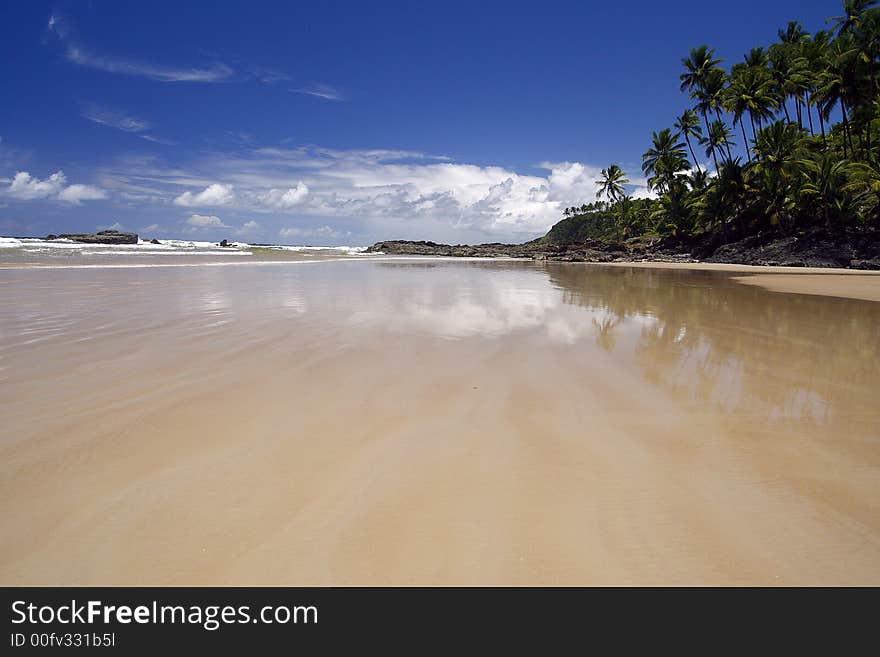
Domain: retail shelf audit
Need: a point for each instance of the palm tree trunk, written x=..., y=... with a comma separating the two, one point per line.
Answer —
x=785, y=109
x=845, y=125
x=810, y=117
x=726, y=146
x=706, y=121
x=822, y=125
x=754, y=132
x=693, y=155
x=745, y=139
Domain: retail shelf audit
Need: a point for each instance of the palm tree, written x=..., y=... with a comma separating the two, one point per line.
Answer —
x=611, y=183
x=718, y=140
x=756, y=58
x=713, y=91
x=854, y=12
x=625, y=216
x=814, y=51
x=700, y=65
x=822, y=190
x=793, y=33
x=688, y=125
x=865, y=184
x=837, y=85
x=777, y=149
x=698, y=180
x=750, y=90
x=664, y=160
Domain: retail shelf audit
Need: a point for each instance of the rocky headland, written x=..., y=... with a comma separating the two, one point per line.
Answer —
x=853, y=250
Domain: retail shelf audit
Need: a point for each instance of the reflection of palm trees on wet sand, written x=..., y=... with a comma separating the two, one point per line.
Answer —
x=712, y=340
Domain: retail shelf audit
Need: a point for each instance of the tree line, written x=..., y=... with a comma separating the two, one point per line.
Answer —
x=805, y=113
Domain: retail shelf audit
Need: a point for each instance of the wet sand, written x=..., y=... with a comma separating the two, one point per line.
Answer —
x=865, y=287
x=844, y=283
x=434, y=422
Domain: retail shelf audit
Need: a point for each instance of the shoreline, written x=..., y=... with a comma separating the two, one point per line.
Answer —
x=835, y=282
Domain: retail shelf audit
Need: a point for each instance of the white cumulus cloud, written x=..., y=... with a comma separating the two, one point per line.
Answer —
x=205, y=221
x=26, y=187
x=283, y=199
x=215, y=194
x=248, y=228
x=76, y=193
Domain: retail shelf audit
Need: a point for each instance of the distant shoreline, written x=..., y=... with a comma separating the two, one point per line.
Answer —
x=815, y=249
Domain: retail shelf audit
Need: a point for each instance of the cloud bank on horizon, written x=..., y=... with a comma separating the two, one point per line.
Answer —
x=308, y=192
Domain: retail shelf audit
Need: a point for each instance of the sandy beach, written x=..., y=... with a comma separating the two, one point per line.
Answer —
x=843, y=283
x=438, y=422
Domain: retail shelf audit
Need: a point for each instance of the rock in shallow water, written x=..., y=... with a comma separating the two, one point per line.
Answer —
x=102, y=237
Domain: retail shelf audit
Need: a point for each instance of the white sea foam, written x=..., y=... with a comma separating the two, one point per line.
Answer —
x=353, y=250
x=165, y=247
x=30, y=252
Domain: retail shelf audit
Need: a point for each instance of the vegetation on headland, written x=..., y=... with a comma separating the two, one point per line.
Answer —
x=805, y=114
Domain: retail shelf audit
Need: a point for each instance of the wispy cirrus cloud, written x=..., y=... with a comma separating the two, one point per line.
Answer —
x=159, y=140
x=84, y=56
x=113, y=118
x=324, y=91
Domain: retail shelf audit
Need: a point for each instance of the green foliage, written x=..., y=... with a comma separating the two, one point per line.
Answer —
x=808, y=111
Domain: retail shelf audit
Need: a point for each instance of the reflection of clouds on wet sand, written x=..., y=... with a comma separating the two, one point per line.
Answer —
x=484, y=304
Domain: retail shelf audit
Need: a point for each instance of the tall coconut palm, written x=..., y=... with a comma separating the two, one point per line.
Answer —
x=714, y=95
x=814, y=51
x=791, y=75
x=854, y=12
x=664, y=160
x=688, y=125
x=778, y=147
x=793, y=33
x=611, y=183
x=838, y=85
x=718, y=140
x=700, y=65
x=756, y=58
x=750, y=90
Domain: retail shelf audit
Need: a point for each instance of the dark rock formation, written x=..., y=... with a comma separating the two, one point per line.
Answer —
x=588, y=251
x=155, y=241
x=857, y=250
x=224, y=243
x=813, y=249
x=102, y=237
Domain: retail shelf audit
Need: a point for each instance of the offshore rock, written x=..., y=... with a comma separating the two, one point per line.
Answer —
x=102, y=237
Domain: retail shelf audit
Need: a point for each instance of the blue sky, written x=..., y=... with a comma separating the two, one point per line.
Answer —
x=341, y=122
